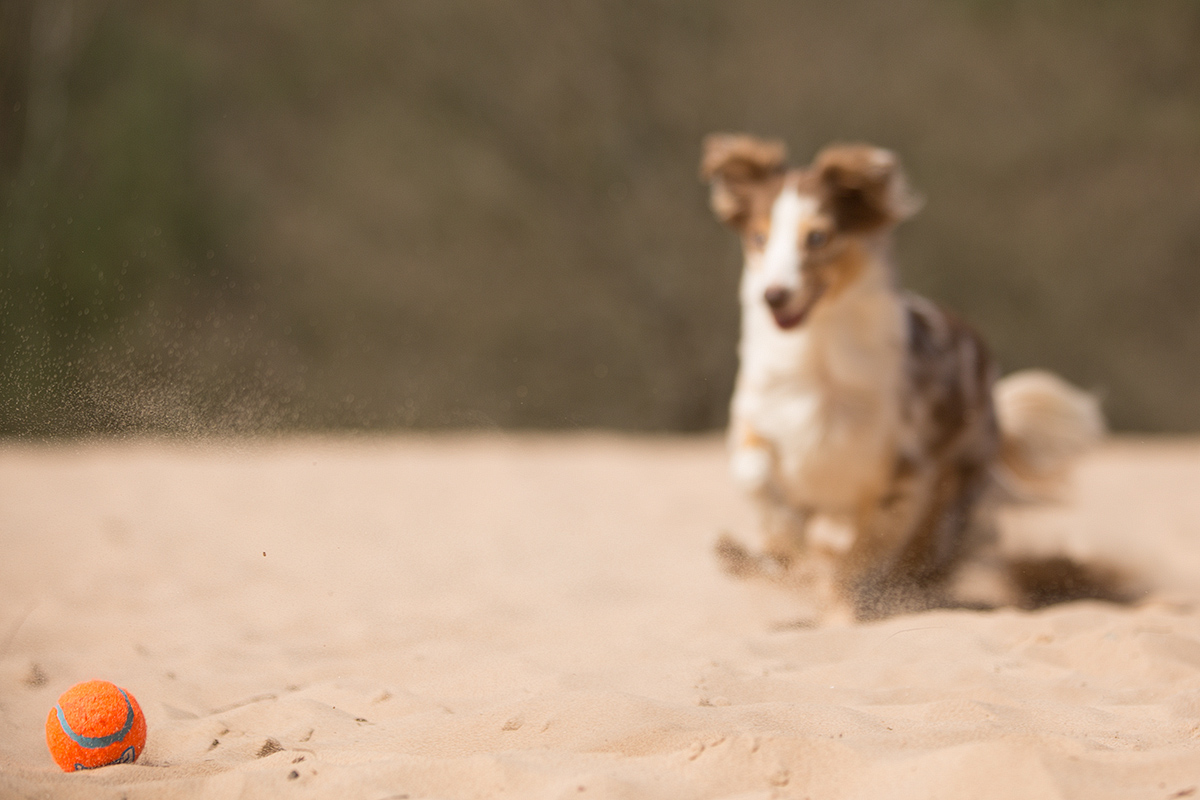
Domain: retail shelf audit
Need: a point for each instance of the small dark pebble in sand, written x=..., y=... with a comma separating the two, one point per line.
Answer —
x=268, y=747
x=35, y=677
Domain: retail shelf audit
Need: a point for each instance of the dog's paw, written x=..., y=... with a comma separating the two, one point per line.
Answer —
x=751, y=468
x=737, y=560
x=734, y=558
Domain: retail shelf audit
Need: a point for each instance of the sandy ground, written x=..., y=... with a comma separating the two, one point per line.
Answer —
x=543, y=617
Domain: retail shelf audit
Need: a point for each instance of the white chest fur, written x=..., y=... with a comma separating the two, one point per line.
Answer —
x=826, y=396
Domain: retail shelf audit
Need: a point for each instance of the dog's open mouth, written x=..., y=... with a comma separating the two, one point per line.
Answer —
x=793, y=315
x=787, y=320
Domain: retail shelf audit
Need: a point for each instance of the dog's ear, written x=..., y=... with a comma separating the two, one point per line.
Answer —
x=863, y=187
x=735, y=165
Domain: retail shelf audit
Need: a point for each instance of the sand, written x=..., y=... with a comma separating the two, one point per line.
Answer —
x=500, y=617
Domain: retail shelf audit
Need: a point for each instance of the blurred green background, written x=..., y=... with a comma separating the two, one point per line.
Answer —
x=250, y=215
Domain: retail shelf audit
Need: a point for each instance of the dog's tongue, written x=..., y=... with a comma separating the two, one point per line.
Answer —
x=789, y=319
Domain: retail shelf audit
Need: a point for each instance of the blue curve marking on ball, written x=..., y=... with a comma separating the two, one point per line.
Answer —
x=98, y=741
x=126, y=757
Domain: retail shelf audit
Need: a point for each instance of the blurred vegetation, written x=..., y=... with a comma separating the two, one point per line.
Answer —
x=251, y=215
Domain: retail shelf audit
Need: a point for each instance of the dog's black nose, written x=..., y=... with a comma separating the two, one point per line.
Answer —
x=776, y=296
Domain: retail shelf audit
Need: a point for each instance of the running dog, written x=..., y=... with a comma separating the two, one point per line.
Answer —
x=867, y=423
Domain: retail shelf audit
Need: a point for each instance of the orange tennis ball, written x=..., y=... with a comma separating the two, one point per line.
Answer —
x=95, y=724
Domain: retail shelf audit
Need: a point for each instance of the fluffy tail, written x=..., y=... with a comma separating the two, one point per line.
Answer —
x=1046, y=424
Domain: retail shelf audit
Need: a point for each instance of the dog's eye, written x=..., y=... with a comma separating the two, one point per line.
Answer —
x=816, y=238
x=758, y=239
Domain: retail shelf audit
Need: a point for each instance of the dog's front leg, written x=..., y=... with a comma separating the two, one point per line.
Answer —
x=754, y=465
x=784, y=531
x=910, y=541
x=871, y=575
